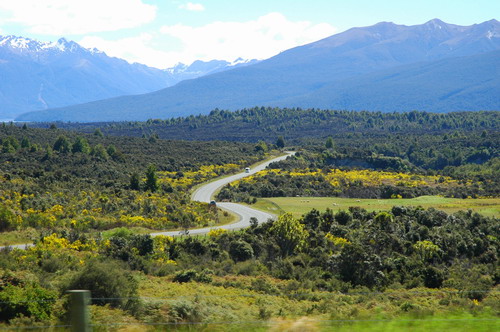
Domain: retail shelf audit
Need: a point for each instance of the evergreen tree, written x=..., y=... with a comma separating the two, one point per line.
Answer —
x=280, y=143
x=98, y=132
x=151, y=179
x=81, y=145
x=135, y=181
x=100, y=152
x=329, y=143
x=62, y=144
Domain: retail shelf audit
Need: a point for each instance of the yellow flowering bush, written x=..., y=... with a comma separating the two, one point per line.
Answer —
x=337, y=241
x=216, y=232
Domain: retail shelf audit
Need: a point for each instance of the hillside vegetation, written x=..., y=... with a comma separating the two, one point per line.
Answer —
x=88, y=202
x=52, y=179
x=296, y=125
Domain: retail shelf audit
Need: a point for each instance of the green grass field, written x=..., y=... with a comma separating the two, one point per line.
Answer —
x=299, y=205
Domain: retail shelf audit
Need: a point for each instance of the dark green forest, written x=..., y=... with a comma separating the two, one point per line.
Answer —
x=294, y=124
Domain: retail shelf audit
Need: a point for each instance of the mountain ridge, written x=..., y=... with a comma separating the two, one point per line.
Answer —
x=37, y=75
x=303, y=70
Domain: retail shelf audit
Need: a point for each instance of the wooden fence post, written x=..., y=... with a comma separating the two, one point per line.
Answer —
x=79, y=312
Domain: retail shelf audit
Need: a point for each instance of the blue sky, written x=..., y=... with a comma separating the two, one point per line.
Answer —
x=164, y=32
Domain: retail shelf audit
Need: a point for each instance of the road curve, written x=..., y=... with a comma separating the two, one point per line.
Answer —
x=205, y=193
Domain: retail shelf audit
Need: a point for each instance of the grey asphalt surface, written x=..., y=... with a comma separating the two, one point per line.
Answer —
x=204, y=194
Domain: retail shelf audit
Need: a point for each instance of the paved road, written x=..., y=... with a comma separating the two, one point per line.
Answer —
x=205, y=193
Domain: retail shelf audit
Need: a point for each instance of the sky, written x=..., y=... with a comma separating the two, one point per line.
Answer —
x=162, y=33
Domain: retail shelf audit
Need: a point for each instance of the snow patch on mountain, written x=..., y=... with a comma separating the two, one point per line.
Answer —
x=24, y=44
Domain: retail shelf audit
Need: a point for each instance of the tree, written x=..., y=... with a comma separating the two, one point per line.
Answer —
x=25, y=143
x=135, y=181
x=62, y=144
x=98, y=133
x=108, y=282
x=7, y=219
x=289, y=233
x=343, y=217
x=261, y=146
x=358, y=266
x=100, y=152
x=8, y=145
x=81, y=145
x=240, y=251
x=111, y=151
x=329, y=143
x=280, y=143
x=23, y=301
x=151, y=179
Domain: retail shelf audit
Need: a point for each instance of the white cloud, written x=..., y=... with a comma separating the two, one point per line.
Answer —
x=133, y=49
x=196, y=7
x=59, y=17
x=258, y=39
x=261, y=38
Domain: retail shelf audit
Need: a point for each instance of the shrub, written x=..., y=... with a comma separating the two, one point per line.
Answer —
x=186, y=311
x=7, y=219
x=343, y=217
x=240, y=251
x=185, y=276
x=28, y=301
x=108, y=282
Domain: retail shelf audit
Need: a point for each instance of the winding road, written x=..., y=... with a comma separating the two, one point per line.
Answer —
x=206, y=191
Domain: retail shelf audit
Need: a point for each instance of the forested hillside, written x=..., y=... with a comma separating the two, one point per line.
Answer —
x=89, y=201
x=294, y=124
x=52, y=178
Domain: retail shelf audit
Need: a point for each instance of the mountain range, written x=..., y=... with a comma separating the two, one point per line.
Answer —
x=39, y=75
x=435, y=67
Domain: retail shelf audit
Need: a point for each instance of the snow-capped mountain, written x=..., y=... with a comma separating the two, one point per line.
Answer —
x=201, y=68
x=37, y=75
x=433, y=66
x=24, y=45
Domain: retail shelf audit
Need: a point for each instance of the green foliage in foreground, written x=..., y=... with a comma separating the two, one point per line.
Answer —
x=396, y=264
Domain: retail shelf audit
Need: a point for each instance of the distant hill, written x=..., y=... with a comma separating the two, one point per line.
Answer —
x=382, y=67
x=39, y=75
x=455, y=84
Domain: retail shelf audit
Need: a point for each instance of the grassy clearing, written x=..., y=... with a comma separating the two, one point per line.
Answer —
x=299, y=205
x=18, y=237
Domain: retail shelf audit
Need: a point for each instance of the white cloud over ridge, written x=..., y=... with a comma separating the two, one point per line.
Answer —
x=62, y=17
x=196, y=7
x=262, y=38
x=133, y=49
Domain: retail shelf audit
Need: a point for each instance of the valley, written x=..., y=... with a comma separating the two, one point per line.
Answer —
x=255, y=171
x=403, y=230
